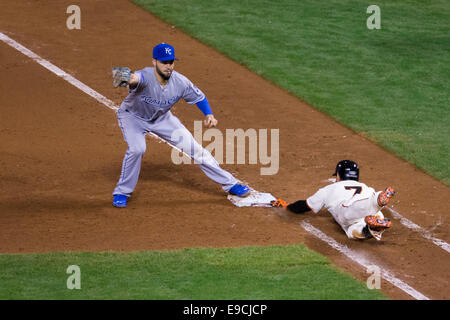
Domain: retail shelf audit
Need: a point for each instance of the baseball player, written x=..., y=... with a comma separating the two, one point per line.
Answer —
x=355, y=206
x=152, y=93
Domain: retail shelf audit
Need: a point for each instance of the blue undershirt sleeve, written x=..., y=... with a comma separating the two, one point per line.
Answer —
x=204, y=107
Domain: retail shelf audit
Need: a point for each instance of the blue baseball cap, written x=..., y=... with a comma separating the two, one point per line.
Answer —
x=164, y=52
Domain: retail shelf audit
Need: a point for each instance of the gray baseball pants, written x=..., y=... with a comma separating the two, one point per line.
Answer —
x=169, y=128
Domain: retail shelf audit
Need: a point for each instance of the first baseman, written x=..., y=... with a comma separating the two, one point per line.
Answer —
x=355, y=206
x=152, y=93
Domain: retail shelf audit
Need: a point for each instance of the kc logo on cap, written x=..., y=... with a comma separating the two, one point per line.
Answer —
x=164, y=52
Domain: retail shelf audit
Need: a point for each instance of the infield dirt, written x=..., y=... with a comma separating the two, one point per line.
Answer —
x=62, y=153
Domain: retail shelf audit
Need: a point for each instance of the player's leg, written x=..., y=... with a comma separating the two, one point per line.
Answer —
x=358, y=231
x=134, y=135
x=170, y=128
x=356, y=215
x=360, y=209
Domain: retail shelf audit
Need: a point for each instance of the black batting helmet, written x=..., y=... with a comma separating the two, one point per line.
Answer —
x=347, y=170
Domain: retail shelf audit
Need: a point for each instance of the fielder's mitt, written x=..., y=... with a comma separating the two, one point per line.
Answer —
x=121, y=76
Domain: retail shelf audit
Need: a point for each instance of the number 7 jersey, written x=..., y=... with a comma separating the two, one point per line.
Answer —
x=348, y=201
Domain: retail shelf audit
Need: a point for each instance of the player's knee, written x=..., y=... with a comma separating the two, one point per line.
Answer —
x=356, y=231
x=357, y=235
x=137, y=150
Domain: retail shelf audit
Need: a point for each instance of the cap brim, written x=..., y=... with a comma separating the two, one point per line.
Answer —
x=167, y=59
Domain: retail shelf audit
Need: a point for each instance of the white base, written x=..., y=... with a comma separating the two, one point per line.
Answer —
x=254, y=199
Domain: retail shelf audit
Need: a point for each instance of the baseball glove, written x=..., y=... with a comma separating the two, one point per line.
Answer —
x=121, y=76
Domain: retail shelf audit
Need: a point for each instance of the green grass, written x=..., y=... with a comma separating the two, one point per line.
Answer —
x=391, y=85
x=276, y=272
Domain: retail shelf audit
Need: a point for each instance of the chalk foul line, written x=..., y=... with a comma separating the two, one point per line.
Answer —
x=73, y=81
x=346, y=251
x=427, y=235
x=60, y=73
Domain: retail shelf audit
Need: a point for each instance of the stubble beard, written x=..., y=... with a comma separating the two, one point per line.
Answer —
x=165, y=77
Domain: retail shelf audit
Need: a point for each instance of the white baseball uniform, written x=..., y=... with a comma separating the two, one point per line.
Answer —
x=349, y=202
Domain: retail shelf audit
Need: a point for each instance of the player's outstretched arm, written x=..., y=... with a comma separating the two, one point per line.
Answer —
x=299, y=206
x=210, y=121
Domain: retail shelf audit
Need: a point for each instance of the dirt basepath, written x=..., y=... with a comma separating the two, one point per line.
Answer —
x=62, y=152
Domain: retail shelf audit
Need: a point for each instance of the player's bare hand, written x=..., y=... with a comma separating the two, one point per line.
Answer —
x=134, y=79
x=210, y=121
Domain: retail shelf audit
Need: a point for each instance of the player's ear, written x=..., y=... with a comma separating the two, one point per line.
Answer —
x=154, y=62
